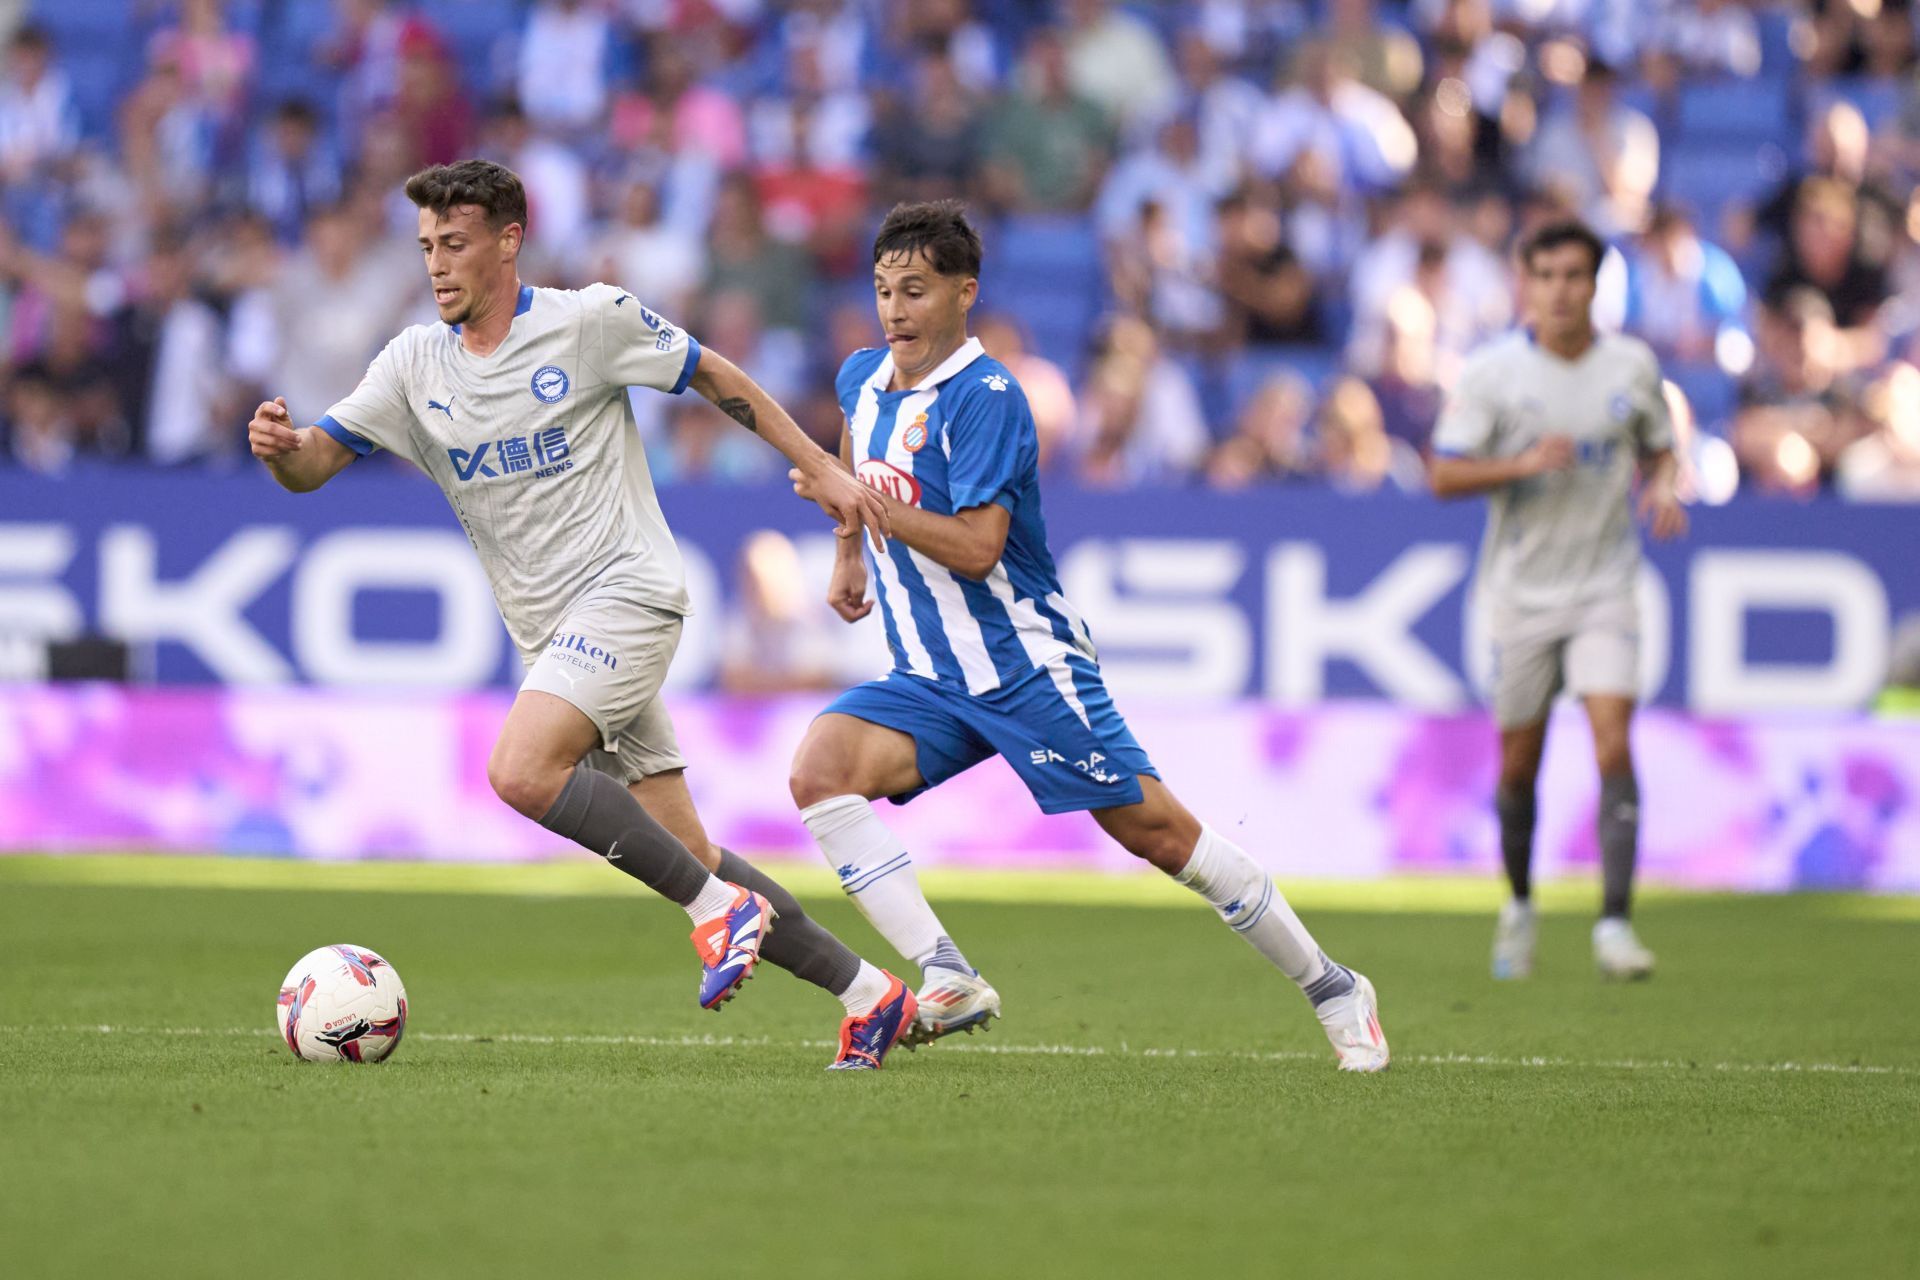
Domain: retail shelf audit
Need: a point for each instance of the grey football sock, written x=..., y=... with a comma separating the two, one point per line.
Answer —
x=601, y=814
x=800, y=944
x=1515, y=805
x=1336, y=981
x=1619, y=842
x=945, y=956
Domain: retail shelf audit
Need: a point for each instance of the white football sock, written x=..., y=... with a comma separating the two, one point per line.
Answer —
x=1247, y=899
x=877, y=874
x=713, y=899
x=869, y=988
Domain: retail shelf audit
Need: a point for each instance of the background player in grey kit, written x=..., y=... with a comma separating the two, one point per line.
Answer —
x=516, y=405
x=1554, y=424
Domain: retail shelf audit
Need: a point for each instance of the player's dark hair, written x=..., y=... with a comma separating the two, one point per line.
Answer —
x=494, y=189
x=1563, y=231
x=938, y=228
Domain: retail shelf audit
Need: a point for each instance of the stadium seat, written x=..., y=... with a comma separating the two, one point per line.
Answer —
x=1710, y=391
x=1705, y=178
x=1730, y=110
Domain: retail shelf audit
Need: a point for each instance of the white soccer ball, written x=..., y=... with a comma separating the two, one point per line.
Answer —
x=342, y=1004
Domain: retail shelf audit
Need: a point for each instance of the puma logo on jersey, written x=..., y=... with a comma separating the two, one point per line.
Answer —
x=625, y=297
x=446, y=408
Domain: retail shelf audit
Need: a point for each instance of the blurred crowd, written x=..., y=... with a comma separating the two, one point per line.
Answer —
x=1229, y=242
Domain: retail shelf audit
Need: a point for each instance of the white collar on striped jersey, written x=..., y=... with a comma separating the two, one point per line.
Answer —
x=969, y=351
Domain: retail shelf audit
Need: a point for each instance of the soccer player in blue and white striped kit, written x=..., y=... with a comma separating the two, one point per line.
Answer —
x=989, y=657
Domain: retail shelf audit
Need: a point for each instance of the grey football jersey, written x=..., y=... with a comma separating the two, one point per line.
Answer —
x=1565, y=538
x=536, y=449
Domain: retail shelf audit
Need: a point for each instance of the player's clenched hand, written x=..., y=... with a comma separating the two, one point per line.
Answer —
x=854, y=507
x=1662, y=511
x=847, y=589
x=1548, y=453
x=270, y=434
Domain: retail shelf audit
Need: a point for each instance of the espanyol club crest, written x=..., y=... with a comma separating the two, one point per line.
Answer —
x=550, y=383
x=914, y=438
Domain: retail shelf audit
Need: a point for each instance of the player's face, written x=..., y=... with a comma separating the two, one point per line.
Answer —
x=469, y=263
x=923, y=312
x=1559, y=292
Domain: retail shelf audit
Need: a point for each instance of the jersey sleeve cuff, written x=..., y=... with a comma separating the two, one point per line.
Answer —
x=360, y=445
x=687, y=370
x=966, y=496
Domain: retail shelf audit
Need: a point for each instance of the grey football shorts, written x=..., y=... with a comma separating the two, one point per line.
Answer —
x=1585, y=649
x=609, y=659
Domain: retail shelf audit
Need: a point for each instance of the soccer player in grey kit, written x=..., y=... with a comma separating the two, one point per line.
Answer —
x=1554, y=424
x=516, y=405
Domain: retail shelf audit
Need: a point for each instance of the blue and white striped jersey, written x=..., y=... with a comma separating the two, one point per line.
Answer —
x=963, y=438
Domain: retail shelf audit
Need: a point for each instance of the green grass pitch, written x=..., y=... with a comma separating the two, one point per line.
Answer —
x=1159, y=1103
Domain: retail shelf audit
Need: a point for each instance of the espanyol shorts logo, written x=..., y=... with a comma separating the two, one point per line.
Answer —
x=914, y=438
x=550, y=383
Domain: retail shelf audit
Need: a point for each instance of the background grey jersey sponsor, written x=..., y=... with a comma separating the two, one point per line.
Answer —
x=1568, y=537
x=536, y=449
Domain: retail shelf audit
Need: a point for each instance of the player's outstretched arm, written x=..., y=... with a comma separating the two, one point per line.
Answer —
x=852, y=505
x=969, y=542
x=301, y=459
x=1457, y=477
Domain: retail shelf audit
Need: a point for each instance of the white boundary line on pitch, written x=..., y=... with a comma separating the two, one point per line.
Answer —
x=1035, y=1050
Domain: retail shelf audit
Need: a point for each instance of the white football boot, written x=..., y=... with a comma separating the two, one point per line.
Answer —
x=1352, y=1024
x=951, y=1001
x=1617, y=952
x=1513, y=940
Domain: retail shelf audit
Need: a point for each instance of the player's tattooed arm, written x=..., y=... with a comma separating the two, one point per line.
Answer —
x=853, y=507
x=740, y=409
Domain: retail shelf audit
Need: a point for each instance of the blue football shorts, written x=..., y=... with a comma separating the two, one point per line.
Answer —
x=1057, y=727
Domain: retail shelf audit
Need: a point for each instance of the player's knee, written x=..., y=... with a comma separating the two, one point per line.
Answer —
x=818, y=775
x=525, y=790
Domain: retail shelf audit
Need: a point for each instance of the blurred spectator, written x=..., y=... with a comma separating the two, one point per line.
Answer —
x=335, y=305
x=741, y=255
x=363, y=53
x=1225, y=107
x=564, y=49
x=1682, y=292
x=704, y=444
x=1046, y=146
x=1356, y=453
x=215, y=62
x=433, y=112
x=1159, y=274
x=167, y=137
x=291, y=172
x=780, y=639
x=1860, y=39
x=1428, y=247
x=1796, y=414
x=169, y=363
x=1600, y=153
x=928, y=148
x=559, y=206
x=811, y=183
x=1269, y=293
x=732, y=324
x=1824, y=255
x=39, y=126
x=1384, y=56
x=1407, y=387
x=1171, y=171
x=1116, y=62
x=1141, y=417
x=78, y=284
x=1049, y=395
x=1704, y=38
x=1885, y=464
x=660, y=264
x=1839, y=148
x=673, y=109
x=1354, y=133
x=1269, y=440
x=948, y=29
